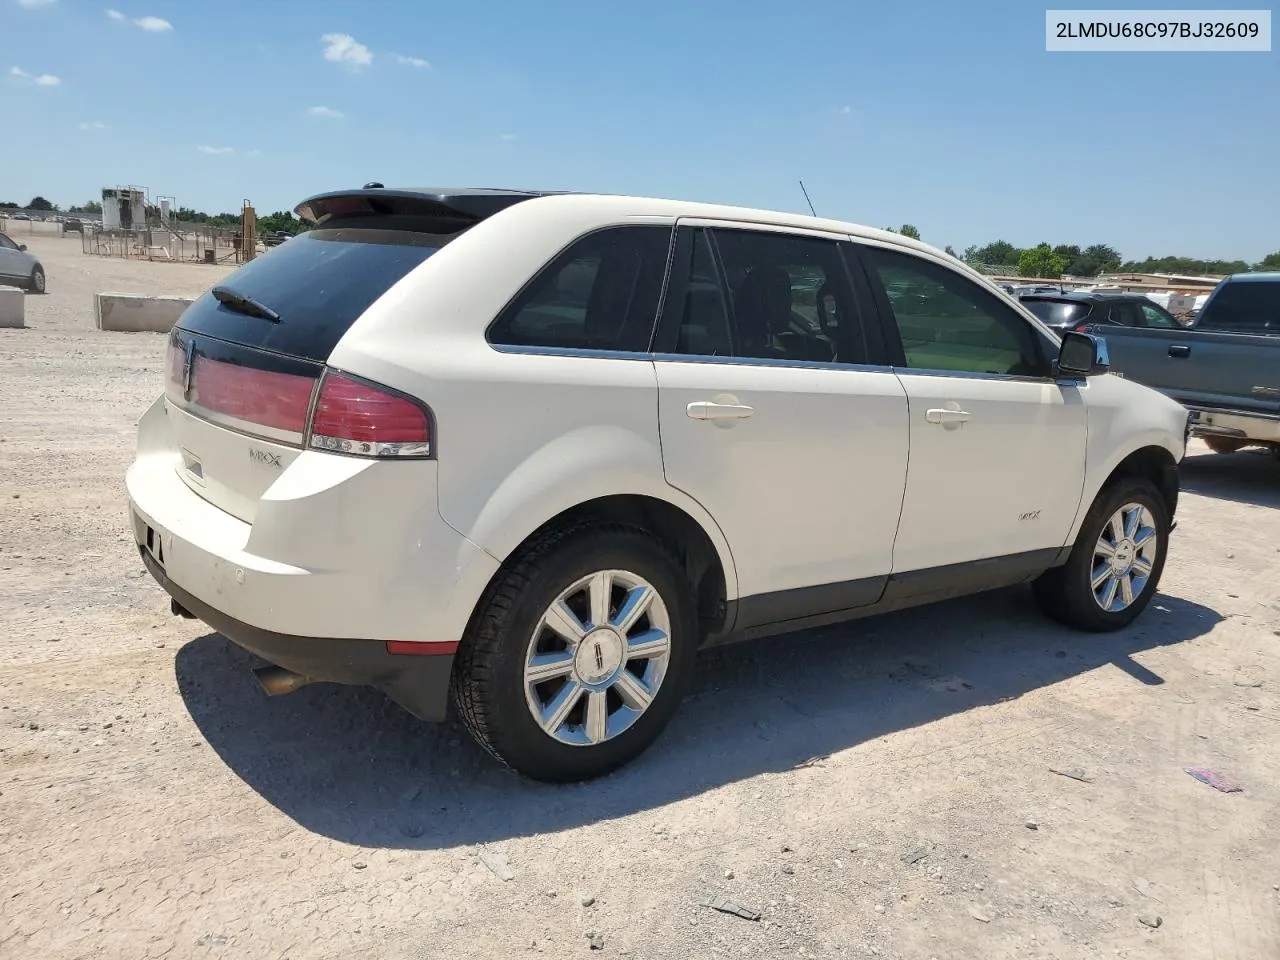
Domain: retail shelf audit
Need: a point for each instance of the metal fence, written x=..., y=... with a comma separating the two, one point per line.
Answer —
x=189, y=243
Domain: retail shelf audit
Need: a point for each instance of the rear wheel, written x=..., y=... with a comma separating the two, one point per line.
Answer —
x=37, y=280
x=578, y=654
x=1114, y=568
x=1223, y=444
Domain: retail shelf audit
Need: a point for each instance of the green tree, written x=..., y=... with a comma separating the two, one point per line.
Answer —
x=40, y=203
x=907, y=230
x=1184, y=265
x=1103, y=258
x=7, y=205
x=1041, y=261
x=1270, y=262
x=950, y=251
x=1000, y=253
x=970, y=253
x=1067, y=251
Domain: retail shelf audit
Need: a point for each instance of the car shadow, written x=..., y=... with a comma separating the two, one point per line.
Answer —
x=1250, y=476
x=347, y=763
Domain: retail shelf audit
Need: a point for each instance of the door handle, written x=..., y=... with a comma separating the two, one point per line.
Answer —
x=939, y=415
x=1180, y=350
x=710, y=410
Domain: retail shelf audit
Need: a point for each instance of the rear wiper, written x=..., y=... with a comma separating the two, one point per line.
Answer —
x=242, y=304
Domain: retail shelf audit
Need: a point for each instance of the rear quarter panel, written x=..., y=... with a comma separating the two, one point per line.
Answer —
x=520, y=436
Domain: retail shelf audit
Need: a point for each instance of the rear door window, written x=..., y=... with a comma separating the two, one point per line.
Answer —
x=600, y=294
x=1243, y=306
x=1126, y=315
x=318, y=284
x=766, y=296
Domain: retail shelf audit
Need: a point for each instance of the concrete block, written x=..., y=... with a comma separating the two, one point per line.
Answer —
x=13, y=306
x=137, y=312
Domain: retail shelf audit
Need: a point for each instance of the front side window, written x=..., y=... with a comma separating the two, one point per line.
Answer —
x=1155, y=317
x=600, y=294
x=6, y=243
x=768, y=296
x=948, y=322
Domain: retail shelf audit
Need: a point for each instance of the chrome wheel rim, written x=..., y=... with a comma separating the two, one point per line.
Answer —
x=1124, y=557
x=597, y=658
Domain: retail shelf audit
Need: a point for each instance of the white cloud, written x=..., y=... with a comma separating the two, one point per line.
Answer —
x=115, y=15
x=254, y=153
x=327, y=112
x=344, y=48
x=93, y=125
x=506, y=136
x=216, y=151
x=411, y=61
x=845, y=111
x=43, y=80
x=35, y=3
x=153, y=24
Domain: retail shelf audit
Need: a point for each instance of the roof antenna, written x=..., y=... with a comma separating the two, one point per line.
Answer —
x=806, y=199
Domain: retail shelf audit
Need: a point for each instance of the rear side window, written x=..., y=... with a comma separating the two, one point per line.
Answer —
x=1058, y=312
x=767, y=296
x=600, y=294
x=1126, y=315
x=1243, y=306
x=318, y=283
x=947, y=322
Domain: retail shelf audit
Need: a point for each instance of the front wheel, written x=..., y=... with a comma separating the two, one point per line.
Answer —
x=578, y=654
x=37, y=280
x=1114, y=568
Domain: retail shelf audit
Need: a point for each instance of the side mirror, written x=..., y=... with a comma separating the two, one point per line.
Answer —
x=22, y=247
x=1082, y=355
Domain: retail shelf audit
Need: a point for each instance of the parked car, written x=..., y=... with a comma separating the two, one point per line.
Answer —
x=1083, y=310
x=20, y=216
x=539, y=449
x=1225, y=367
x=72, y=225
x=19, y=267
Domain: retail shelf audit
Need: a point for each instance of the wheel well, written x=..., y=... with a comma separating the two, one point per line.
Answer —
x=682, y=534
x=1157, y=465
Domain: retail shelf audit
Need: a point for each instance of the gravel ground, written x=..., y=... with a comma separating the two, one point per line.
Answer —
x=154, y=803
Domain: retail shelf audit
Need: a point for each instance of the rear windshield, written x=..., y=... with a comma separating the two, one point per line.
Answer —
x=1057, y=312
x=318, y=283
x=1247, y=306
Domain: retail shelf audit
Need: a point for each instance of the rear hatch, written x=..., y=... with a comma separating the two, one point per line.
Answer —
x=247, y=389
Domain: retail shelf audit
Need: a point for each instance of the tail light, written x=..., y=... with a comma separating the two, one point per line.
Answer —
x=335, y=412
x=1081, y=327
x=267, y=403
x=360, y=418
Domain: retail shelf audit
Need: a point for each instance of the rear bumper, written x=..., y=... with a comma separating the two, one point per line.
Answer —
x=1258, y=427
x=418, y=683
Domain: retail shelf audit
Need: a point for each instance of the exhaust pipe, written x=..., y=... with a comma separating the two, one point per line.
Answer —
x=178, y=610
x=277, y=680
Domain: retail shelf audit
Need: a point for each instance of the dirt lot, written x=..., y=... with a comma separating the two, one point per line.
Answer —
x=153, y=802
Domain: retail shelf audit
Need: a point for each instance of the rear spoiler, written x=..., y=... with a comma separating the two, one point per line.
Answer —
x=465, y=205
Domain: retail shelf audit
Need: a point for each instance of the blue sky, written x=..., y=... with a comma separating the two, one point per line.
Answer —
x=934, y=113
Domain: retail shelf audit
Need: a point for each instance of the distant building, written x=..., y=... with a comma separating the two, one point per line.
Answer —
x=124, y=208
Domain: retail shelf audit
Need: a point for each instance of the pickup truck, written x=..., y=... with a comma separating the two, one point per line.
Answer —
x=1224, y=368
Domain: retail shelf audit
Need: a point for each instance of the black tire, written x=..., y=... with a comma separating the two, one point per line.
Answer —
x=37, y=283
x=488, y=676
x=1223, y=444
x=1066, y=593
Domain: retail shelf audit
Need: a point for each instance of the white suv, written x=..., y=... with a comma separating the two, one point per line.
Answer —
x=537, y=450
